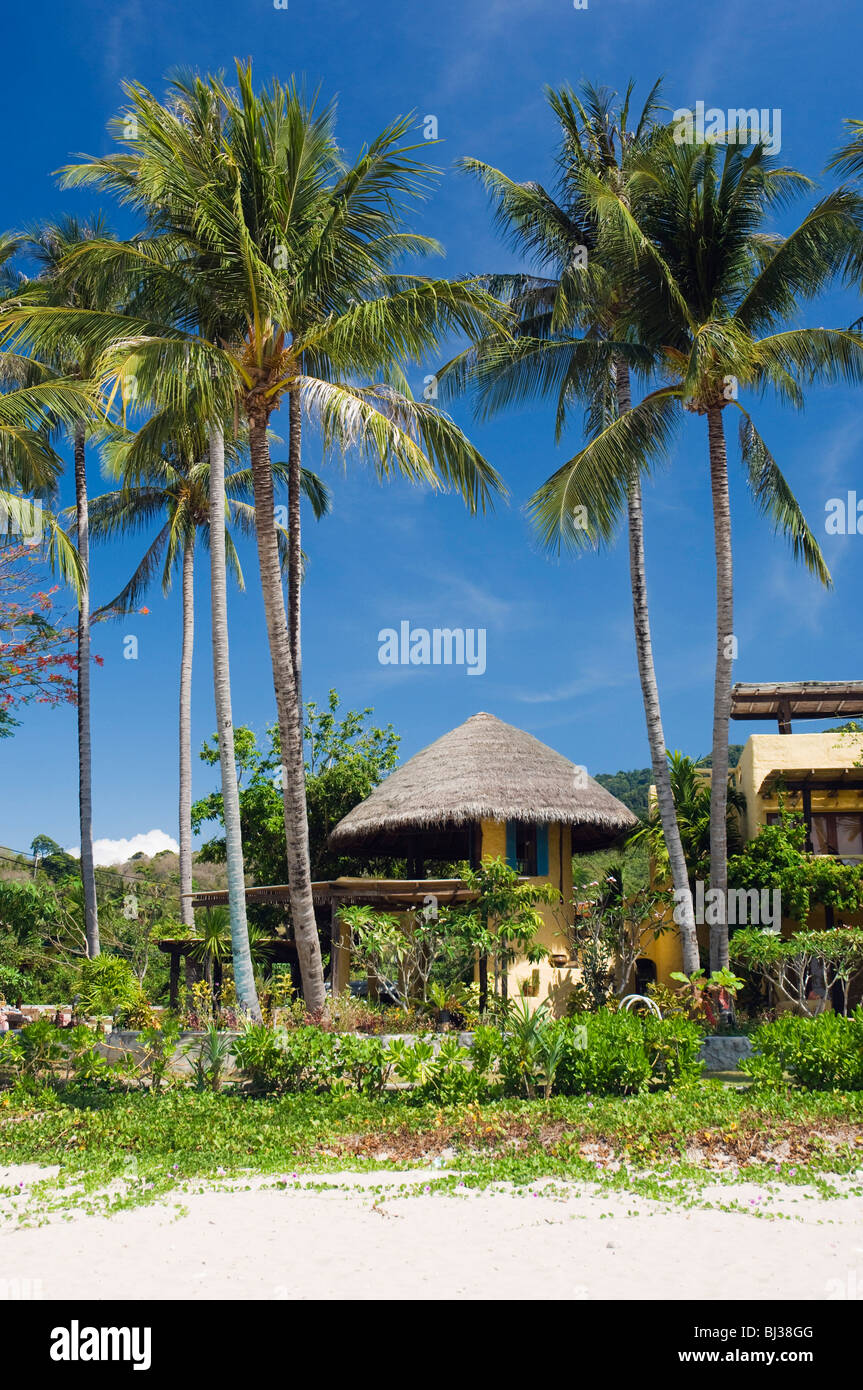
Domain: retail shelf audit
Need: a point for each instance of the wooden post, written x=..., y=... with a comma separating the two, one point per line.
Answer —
x=174, y=981
x=340, y=974
x=483, y=982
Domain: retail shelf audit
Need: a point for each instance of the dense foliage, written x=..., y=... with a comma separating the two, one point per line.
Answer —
x=346, y=757
x=776, y=859
x=820, y=1054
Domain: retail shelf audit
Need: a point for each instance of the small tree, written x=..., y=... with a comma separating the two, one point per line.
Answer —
x=612, y=929
x=804, y=968
x=405, y=948
x=37, y=657
x=503, y=921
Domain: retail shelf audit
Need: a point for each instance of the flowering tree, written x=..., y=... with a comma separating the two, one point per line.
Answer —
x=37, y=653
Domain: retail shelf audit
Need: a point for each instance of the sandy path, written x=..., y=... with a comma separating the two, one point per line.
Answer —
x=350, y=1243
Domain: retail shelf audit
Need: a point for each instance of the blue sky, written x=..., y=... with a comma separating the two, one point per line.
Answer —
x=560, y=648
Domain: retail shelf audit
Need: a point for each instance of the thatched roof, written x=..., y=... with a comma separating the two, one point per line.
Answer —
x=484, y=770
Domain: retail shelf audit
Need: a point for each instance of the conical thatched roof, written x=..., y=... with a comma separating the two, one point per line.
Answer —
x=484, y=770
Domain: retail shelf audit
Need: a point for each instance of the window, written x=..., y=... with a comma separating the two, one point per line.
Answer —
x=838, y=833
x=525, y=849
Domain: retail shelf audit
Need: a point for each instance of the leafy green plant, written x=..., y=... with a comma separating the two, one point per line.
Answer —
x=308, y=1058
x=607, y=1053
x=41, y=1046
x=138, y=1013
x=107, y=984
x=708, y=998
x=209, y=1058
x=776, y=859
x=528, y=1037
x=612, y=929
x=13, y=982
x=820, y=1054
x=442, y=1076
x=159, y=1045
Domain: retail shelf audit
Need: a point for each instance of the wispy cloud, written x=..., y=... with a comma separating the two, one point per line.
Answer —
x=587, y=684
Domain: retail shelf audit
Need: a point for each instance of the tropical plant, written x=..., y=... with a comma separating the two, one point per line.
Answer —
x=804, y=969
x=209, y=1057
x=717, y=323
x=502, y=921
x=346, y=757
x=611, y=930
x=708, y=997
x=72, y=359
x=819, y=1054
x=165, y=474
x=37, y=663
x=691, y=783
x=571, y=346
x=106, y=985
x=281, y=258
x=34, y=401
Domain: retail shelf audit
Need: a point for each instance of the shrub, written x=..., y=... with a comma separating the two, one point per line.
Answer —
x=674, y=1043
x=107, y=984
x=310, y=1059
x=791, y=964
x=13, y=982
x=821, y=1054
x=610, y=1053
x=159, y=1043
x=138, y=1013
x=209, y=1057
x=442, y=1076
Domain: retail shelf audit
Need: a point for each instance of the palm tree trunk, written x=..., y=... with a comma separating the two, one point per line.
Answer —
x=244, y=978
x=290, y=722
x=721, y=686
x=684, y=909
x=187, y=915
x=85, y=751
x=295, y=546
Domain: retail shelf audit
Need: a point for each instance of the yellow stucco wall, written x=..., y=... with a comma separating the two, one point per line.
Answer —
x=765, y=753
x=554, y=983
x=762, y=755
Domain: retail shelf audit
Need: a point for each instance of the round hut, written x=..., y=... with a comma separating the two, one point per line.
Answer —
x=488, y=789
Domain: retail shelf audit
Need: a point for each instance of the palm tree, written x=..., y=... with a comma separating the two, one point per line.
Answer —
x=709, y=289
x=49, y=245
x=690, y=785
x=162, y=477
x=286, y=254
x=848, y=159
x=34, y=401
x=578, y=296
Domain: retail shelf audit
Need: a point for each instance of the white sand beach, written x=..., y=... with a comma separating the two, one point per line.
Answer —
x=353, y=1243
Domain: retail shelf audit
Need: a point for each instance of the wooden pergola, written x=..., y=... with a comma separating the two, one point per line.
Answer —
x=386, y=894
x=787, y=700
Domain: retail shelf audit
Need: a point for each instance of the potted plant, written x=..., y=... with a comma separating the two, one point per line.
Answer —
x=440, y=999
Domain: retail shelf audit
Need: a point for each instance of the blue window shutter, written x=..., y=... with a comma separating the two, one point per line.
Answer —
x=542, y=851
x=510, y=844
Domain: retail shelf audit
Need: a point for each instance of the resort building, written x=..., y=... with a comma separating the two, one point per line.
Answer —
x=817, y=775
x=485, y=790
x=489, y=790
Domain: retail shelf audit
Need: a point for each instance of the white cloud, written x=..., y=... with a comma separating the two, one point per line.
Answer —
x=107, y=852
